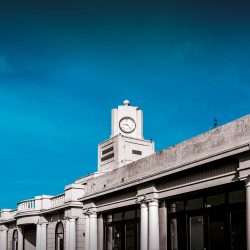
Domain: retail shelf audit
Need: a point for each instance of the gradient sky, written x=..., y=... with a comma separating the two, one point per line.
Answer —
x=65, y=64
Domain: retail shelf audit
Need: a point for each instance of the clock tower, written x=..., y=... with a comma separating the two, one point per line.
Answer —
x=126, y=143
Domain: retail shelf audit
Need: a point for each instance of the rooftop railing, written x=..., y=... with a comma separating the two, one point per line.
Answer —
x=57, y=200
x=7, y=214
x=27, y=205
x=72, y=193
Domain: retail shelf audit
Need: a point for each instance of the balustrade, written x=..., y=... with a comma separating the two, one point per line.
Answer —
x=57, y=200
x=27, y=205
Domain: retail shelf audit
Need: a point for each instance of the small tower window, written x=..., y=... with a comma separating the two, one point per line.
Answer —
x=136, y=152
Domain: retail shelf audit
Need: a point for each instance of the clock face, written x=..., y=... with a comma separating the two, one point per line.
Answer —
x=127, y=125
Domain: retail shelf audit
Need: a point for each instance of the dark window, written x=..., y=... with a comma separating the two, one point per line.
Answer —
x=129, y=214
x=107, y=150
x=238, y=230
x=212, y=221
x=237, y=196
x=59, y=237
x=216, y=223
x=15, y=240
x=215, y=200
x=136, y=152
x=107, y=157
x=122, y=230
x=178, y=233
x=196, y=233
x=117, y=217
x=195, y=204
x=177, y=206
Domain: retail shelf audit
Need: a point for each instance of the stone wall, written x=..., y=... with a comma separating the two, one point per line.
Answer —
x=217, y=141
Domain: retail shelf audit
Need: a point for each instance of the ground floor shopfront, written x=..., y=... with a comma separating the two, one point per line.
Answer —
x=213, y=219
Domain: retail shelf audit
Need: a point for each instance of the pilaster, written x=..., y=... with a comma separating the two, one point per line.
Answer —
x=70, y=225
x=3, y=238
x=86, y=213
x=93, y=231
x=90, y=228
x=20, y=237
x=100, y=233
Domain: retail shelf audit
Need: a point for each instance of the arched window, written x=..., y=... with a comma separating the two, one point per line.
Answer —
x=15, y=240
x=59, y=236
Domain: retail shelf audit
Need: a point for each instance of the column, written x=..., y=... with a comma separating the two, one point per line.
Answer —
x=100, y=234
x=144, y=226
x=86, y=231
x=248, y=212
x=67, y=240
x=153, y=241
x=3, y=239
x=163, y=225
x=72, y=234
x=38, y=236
x=43, y=238
x=20, y=238
x=93, y=231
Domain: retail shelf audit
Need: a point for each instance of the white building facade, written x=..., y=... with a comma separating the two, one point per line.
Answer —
x=192, y=196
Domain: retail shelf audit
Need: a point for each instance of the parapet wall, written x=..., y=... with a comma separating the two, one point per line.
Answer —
x=227, y=137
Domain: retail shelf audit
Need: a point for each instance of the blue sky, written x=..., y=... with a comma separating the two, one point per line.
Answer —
x=65, y=64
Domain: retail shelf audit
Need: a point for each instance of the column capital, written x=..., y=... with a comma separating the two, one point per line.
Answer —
x=153, y=202
x=89, y=211
x=141, y=199
x=71, y=218
x=247, y=181
x=100, y=216
x=3, y=228
x=93, y=215
x=42, y=223
x=86, y=212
